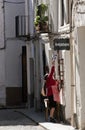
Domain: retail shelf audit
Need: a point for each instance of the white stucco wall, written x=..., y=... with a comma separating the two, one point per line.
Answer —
x=14, y=63
x=79, y=36
x=2, y=78
x=53, y=14
x=10, y=54
x=67, y=84
x=1, y=25
x=13, y=46
x=2, y=57
x=12, y=10
x=81, y=72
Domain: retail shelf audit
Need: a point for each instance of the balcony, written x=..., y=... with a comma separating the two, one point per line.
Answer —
x=22, y=26
x=22, y=29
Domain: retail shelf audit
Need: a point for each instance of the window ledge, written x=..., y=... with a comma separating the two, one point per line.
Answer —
x=64, y=28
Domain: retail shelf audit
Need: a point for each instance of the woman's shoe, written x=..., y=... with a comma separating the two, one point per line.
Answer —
x=52, y=120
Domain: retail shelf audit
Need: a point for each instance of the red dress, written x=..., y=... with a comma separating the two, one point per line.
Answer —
x=56, y=93
x=50, y=82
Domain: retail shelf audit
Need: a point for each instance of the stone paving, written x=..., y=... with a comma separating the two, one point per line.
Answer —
x=13, y=119
x=24, y=119
x=39, y=117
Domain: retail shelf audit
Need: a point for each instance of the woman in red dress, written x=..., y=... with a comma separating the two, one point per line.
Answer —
x=50, y=81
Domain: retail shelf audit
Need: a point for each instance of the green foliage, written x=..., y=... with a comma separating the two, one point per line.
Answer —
x=37, y=20
x=42, y=8
x=40, y=14
x=44, y=19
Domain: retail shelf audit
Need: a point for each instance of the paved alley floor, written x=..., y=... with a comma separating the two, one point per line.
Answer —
x=11, y=119
x=21, y=119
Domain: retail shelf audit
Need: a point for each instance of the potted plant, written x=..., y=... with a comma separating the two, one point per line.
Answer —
x=43, y=23
x=41, y=19
x=37, y=23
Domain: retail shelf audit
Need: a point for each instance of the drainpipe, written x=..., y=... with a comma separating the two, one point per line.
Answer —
x=73, y=110
x=72, y=69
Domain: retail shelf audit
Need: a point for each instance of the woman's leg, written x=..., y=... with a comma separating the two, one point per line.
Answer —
x=52, y=112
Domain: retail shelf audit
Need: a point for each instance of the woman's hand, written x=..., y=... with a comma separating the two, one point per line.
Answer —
x=53, y=62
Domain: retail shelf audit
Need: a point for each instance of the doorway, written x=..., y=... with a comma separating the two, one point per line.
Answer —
x=24, y=75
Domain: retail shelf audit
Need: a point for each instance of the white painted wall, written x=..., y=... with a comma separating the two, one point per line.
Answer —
x=12, y=10
x=79, y=37
x=2, y=57
x=81, y=72
x=10, y=55
x=66, y=57
x=1, y=25
x=13, y=63
x=13, y=46
x=53, y=14
x=67, y=76
x=2, y=78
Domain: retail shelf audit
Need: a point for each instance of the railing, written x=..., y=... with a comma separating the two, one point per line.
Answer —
x=22, y=26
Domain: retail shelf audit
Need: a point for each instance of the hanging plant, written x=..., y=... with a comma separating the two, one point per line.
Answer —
x=41, y=19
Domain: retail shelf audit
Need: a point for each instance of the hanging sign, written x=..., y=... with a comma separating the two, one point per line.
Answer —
x=61, y=44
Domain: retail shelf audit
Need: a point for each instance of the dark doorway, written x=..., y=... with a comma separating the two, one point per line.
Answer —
x=24, y=75
x=44, y=61
x=31, y=61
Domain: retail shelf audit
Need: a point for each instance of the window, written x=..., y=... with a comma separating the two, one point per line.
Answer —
x=67, y=6
x=64, y=9
x=62, y=12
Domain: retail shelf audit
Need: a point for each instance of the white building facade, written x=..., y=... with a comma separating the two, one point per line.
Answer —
x=71, y=24
x=20, y=68
x=66, y=20
x=10, y=53
x=78, y=23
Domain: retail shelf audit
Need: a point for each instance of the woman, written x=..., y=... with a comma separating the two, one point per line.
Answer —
x=50, y=81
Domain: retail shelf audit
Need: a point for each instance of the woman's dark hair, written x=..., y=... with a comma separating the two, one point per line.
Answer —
x=47, y=69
